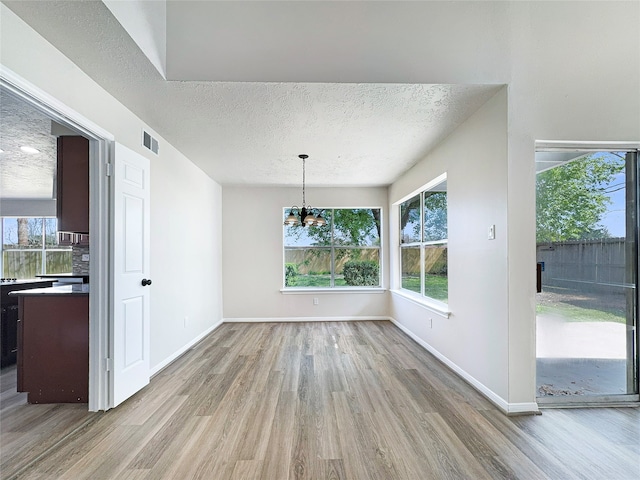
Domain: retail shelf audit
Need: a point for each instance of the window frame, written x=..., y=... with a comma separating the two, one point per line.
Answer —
x=440, y=305
x=333, y=247
x=42, y=249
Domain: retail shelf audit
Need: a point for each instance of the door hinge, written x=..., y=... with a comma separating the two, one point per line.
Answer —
x=109, y=169
x=108, y=364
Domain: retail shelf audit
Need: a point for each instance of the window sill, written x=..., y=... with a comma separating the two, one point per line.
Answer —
x=323, y=291
x=433, y=305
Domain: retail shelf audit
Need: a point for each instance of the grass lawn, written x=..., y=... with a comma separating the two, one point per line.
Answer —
x=316, y=281
x=572, y=313
x=435, y=286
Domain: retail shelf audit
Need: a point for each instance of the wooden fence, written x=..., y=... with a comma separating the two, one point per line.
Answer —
x=590, y=266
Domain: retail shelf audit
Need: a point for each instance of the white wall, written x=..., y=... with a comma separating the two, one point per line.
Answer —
x=253, y=255
x=573, y=74
x=185, y=203
x=146, y=23
x=475, y=336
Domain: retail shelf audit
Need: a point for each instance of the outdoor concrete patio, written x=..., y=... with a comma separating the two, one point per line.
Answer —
x=580, y=358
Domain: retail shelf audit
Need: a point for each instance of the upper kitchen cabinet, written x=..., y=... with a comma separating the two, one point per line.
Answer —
x=73, y=184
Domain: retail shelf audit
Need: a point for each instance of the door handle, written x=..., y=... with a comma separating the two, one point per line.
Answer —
x=145, y=282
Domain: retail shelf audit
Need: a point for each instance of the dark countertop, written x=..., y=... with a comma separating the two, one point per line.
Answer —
x=23, y=281
x=53, y=276
x=75, y=289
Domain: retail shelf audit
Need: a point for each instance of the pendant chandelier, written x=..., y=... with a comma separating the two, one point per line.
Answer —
x=307, y=216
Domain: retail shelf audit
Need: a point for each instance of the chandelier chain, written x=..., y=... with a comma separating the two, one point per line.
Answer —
x=303, y=182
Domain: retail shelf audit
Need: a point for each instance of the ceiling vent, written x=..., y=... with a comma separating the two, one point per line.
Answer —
x=149, y=142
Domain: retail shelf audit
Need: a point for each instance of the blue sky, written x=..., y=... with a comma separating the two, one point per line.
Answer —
x=614, y=219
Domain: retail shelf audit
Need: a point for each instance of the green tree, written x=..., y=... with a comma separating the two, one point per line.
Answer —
x=435, y=216
x=410, y=215
x=572, y=198
x=354, y=227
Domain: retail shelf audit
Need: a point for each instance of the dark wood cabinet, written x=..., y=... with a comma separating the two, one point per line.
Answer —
x=72, y=184
x=53, y=348
x=9, y=318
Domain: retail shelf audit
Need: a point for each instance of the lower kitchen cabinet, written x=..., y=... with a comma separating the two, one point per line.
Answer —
x=9, y=317
x=53, y=348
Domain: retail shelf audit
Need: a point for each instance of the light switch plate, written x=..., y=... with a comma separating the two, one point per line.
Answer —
x=492, y=232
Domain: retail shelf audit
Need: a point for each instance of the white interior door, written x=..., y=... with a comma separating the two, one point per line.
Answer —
x=131, y=281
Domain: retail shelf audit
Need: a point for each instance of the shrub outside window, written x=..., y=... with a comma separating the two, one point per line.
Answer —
x=423, y=243
x=343, y=253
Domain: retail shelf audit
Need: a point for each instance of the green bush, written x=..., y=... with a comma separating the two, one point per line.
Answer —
x=361, y=273
x=290, y=273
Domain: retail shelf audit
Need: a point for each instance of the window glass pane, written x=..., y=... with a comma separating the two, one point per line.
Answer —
x=22, y=232
x=435, y=272
x=51, y=232
x=435, y=216
x=410, y=258
x=356, y=227
x=31, y=230
x=308, y=267
x=301, y=236
x=59, y=261
x=22, y=263
x=410, y=220
x=357, y=267
x=10, y=233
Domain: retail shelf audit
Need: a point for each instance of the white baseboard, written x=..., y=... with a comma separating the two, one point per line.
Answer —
x=497, y=400
x=304, y=319
x=181, y=351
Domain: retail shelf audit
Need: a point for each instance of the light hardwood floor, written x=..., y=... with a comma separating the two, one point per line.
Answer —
x=313, y=400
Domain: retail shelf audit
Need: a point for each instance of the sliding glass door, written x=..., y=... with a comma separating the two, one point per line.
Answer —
x=587, y=254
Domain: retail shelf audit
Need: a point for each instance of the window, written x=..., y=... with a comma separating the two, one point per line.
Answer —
x=30, y=247
x=423, y=242
x=343, y=253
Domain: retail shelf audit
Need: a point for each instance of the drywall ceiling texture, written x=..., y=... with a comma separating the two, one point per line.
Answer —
x=25, y=175
x=357, y=134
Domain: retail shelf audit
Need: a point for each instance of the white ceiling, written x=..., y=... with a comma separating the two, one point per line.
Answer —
x=247, y=131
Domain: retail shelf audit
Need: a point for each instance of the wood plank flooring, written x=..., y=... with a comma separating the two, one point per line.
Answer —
x=332, y=400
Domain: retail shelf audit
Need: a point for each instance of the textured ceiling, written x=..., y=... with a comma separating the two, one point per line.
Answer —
x=25, y=175
x=355, y=134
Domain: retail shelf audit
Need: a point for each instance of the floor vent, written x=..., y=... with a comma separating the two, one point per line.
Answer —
x=149, y=142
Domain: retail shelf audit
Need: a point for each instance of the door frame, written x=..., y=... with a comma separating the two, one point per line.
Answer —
x=100, y=298
x=607, y=399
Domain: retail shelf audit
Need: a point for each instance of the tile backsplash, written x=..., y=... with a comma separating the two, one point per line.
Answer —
x=80, y=267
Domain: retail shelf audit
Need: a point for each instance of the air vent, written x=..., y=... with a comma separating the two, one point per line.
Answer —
x=149, y=142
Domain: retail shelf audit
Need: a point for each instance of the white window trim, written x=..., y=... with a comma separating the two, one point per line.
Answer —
x=424, y=300
x=330, y=290
x=429, y=303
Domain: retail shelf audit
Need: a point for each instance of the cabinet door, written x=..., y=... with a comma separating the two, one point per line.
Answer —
x=73, y=184
x=54, y=361
x=65, y=239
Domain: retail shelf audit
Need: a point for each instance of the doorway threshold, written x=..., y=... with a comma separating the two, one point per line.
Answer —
x=593, y=401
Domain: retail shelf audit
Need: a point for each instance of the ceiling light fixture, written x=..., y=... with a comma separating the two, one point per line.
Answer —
x=304, y=215
x=29, y=150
